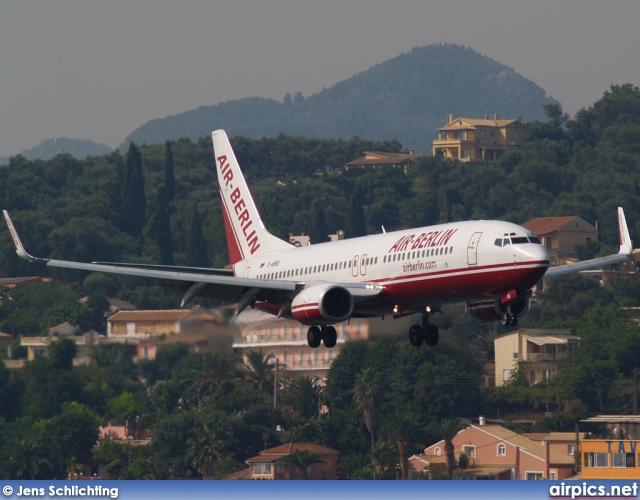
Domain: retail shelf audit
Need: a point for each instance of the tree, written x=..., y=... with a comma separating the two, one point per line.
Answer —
x=204, y=382
x=403, y=428
x=169, y=179
x=71, y=436
x=318, y=232
x=258, y=370
x=133, y=196
x=304, y=396
x=302, y=460
x=367, y=394
x=447, y=429
x=25, y=459
x=195, y=243
x=355, y=223
x=158, y=229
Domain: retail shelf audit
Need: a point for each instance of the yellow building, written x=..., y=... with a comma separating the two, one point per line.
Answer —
x=610, y=459
x=479, y=140
x=537, y=353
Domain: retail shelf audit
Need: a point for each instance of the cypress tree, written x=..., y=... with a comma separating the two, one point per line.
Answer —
x=355, y=225
x=318, y=231
x=133, y=197
x=196, y=246
x=158, y=230
x=169, y=179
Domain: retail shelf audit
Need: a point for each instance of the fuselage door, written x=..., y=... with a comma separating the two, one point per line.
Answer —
x=354, y=266
x=472, y=250
x=363, y=265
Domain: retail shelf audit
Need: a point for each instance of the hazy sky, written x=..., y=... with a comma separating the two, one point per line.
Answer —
x=97, y=70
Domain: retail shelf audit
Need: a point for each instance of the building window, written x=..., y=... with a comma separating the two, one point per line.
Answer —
x=502, y=450
x=282, y=467
x=623, y=460
x=596, y=460
x=483, y=134
x=466, y=153
x=437, y=451
x=533, y=476
x=516, y=136
x=470, y=451
x=572, y=449
x=260, y=469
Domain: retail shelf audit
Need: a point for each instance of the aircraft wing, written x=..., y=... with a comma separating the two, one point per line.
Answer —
x=622, y=256
x=218, y=284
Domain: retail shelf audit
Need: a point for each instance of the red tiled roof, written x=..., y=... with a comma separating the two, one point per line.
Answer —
x=167, y=315
x=548, y=223
x=289, y=448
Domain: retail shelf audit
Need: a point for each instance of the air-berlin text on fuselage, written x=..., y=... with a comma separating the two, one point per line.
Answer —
x=239, y=206
x=423, y=240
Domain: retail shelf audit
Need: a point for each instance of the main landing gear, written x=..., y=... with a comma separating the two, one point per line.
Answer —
x=327, y=335
x=426, y=333
x=508, y=317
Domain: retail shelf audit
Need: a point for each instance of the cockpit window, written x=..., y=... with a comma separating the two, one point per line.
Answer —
x=519, y=240
x=535, y=239
x=506, y=242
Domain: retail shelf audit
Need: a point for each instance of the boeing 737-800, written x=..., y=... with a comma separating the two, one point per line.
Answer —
x=491, y=266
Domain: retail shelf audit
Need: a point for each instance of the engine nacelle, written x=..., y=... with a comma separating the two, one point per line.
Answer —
x=322, y=304
x=491, y=309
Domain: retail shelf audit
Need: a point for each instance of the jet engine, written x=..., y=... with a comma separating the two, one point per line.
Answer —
x=492, y=310
x=322, y=304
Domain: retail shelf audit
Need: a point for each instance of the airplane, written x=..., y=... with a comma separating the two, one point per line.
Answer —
x=491, y=266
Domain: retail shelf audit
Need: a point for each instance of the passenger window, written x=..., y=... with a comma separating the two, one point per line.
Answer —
x=446, y=250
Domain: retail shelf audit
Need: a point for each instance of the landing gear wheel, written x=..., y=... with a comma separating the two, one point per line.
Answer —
x=314, y=336
x=431, y=335
x=416, y=335
x=506, y=319
x=514, y=320
x=329, y=337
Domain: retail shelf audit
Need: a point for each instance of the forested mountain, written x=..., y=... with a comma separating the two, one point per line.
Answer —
x=405, y=98
x=49, y=148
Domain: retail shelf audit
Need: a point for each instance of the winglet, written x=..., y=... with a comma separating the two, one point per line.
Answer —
x=22, y=253
x=625, y=240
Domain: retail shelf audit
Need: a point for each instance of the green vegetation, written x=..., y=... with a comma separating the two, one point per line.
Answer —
x=208, y=413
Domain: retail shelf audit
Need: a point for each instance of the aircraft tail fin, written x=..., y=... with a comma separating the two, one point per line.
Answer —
x=246, y=234
x=625, y=240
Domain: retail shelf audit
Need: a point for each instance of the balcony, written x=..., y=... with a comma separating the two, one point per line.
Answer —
x=540, y=356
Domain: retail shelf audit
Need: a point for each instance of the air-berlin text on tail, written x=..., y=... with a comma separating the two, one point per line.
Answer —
x=430, y=239
x=239, y=206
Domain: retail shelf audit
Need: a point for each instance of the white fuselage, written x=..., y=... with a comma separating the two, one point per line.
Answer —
x=433, y=265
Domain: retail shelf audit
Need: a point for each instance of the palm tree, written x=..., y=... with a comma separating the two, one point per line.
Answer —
x=367, y=395
x=209, y=446
x=403, y=429
x=258, y=369
x=447, y=429
x=304, y=395
x=204, y=382
x=302, y=460
x=25, y=459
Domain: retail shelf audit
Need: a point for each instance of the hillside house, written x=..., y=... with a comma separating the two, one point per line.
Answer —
x=538, y=353
x=378, y=159
x=273, y=464
x=133, y=325
x=560, y=235
x=479, y=140
x=497, y=453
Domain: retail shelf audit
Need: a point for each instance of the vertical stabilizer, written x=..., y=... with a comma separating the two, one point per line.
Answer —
x=246, y=234
x=625, y=240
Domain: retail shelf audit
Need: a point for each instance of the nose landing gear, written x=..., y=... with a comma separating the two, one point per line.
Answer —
x=427, y=333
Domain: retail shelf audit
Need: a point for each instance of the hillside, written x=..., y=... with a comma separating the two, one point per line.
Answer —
x=77, y=148
x=405, y=98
